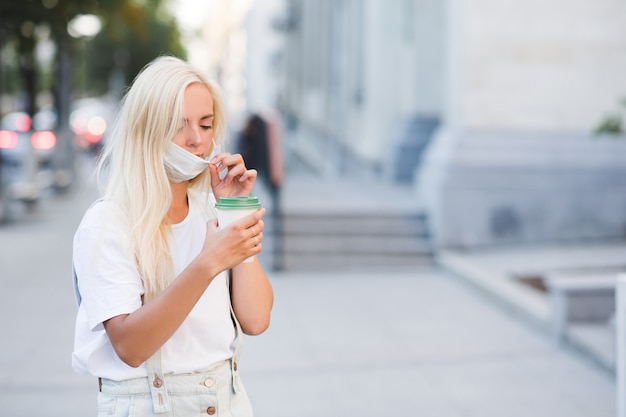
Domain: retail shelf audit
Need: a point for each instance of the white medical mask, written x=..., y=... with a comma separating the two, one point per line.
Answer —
x=182, y=165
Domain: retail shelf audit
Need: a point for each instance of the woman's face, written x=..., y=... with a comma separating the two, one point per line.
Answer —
x=196, y=135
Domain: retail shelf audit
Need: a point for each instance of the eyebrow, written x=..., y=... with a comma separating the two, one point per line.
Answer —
x=208, y=116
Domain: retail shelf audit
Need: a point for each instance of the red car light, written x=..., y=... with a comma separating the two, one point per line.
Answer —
x=23, y=123
x=93, y=139
x=8, y=139
x=43, y=140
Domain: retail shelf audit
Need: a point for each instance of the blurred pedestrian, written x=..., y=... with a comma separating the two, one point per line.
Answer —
x=259, y=144
x=164, y=295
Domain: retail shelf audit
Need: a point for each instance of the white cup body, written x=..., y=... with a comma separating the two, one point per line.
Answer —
x=226, y=217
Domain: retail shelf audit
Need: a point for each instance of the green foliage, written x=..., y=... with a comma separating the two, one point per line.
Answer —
x=134, y=32
x=15, y=16
x=613, y=124
x=132, y=36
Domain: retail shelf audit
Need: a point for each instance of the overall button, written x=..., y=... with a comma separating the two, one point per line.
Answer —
x=210, y=411
x=157, y=383
x=235, y=366
x=208, y=382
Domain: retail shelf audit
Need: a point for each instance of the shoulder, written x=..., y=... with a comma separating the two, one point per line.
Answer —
x=103, y=219
x=102, y=213
x=204, y=201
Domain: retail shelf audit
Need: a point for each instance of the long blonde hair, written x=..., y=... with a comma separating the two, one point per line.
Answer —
x=132, y=167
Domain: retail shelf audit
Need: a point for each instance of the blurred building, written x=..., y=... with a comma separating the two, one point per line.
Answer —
x=358, y=78
x=265, y=52
x=215, y=37
x=486, y=106
x=515, y=160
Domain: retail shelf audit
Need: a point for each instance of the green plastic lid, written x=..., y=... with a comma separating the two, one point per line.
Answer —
x=238, y=203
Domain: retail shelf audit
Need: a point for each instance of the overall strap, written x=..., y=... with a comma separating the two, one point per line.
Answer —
x=160, y=397
x=158, y=390
x=79, y=297
x=238, y=340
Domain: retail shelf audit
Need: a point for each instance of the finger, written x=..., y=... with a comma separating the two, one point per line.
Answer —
x=235, y=171
x=256, y=240
x=252, y=219
x=258, y=215
x=215, y=176
x=249, y=175
x=256, y=230
x=234, y=158
x=227, y=160
x=220, y=162
x=219, y=158
x=259, y=227
x=211, y=226
x=218, y=167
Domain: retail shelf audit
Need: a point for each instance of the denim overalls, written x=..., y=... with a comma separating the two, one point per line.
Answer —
x=217, y=392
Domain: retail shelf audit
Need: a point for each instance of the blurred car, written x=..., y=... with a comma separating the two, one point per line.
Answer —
x=90, y=120
x=26, y=158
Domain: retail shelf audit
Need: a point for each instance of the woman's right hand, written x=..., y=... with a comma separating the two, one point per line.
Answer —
x=231, y=245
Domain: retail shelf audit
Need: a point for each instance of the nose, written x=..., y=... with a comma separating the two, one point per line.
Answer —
x=193, y=136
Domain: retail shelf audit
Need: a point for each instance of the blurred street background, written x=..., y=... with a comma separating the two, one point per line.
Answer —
x=445, y=183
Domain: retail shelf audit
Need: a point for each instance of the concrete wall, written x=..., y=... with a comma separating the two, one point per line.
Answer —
x=264, y=69
x=514, y=160
x=556, y=65
x=487, y=188
x=356, y=69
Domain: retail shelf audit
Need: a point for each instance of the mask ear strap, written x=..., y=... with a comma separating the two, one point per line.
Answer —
x=215, y=149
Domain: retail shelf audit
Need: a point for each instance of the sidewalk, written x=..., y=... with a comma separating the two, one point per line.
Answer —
x=359, y=343
x=499, y=274
x=410, y=343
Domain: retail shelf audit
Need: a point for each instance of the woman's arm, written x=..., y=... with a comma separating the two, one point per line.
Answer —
x=251, y=292
x=252, y=297
x=136, y=336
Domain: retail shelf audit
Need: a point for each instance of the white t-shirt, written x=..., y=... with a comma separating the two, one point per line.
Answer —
x=110, y=285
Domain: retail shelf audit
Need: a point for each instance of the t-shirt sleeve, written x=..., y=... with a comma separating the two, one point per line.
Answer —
x=108, y=280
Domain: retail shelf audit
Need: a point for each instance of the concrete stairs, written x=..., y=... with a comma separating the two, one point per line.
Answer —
x=340, y=240
x=347, y=225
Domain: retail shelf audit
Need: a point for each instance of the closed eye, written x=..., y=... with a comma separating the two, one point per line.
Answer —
x=206, y=122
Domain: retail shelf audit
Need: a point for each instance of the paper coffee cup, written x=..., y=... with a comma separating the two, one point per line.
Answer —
x=230, y=209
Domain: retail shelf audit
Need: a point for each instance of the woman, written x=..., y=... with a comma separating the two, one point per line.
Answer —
x=259, y=144
x=164, y=294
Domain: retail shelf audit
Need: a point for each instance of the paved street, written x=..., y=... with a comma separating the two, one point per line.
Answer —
x=376, y=343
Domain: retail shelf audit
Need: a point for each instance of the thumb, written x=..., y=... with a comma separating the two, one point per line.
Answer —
x=212, y=226
x=215, y=176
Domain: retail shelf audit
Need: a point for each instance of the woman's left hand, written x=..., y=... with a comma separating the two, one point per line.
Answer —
x=238, y=181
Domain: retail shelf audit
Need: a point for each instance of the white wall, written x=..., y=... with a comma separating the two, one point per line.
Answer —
x=526, y=82
x=264, y=70
x=534, y=64
x=402, y=71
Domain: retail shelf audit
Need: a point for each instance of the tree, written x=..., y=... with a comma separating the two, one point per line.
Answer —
x=18, y=22
x=132, y=36
x=134, y=32
x=613, y=124
x=136, y=29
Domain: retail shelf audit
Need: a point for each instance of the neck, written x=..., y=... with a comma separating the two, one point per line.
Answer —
x=180, y=206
